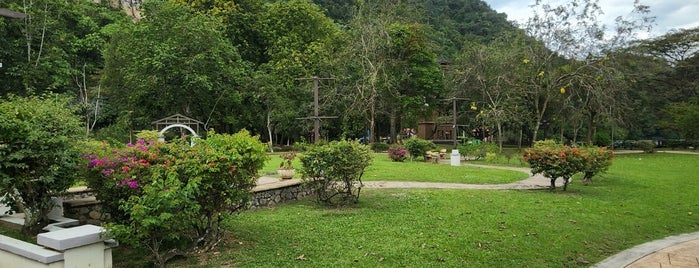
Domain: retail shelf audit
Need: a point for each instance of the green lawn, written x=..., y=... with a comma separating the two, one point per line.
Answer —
x=642, y=198
x=383, y=169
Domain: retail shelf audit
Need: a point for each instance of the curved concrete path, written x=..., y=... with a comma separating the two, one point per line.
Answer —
x=674, y=251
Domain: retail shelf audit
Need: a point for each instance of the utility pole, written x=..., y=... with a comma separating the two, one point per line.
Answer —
x=316, y=118
x=453, y=112
x=455, y=156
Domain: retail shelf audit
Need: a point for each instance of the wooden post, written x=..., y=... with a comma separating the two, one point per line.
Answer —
x=316, y=118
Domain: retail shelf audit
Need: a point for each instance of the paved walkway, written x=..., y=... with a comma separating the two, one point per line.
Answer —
x=681, y=251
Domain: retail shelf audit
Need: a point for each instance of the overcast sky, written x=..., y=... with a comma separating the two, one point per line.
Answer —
x=670, y=14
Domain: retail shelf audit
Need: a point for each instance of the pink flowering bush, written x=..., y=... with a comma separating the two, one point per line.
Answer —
x=171, y=198
x=397, y=153
x=559, y=161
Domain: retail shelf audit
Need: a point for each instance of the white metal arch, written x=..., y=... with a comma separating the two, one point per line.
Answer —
x=161, y=136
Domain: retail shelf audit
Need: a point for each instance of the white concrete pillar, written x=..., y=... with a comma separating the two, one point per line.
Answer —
x=455, y=157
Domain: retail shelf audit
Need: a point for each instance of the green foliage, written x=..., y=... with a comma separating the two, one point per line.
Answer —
x=477, y=150
x=602, y=138
x=491, y=157
x=334, y=170
x=379, y=146
x=174, y=61
x=56, y=49
x=648, y=146
x=559, y=161
x=468, y=228
x=397, y=153
x=595, y=160
x=171, y=198
x=149, y=135
x=287, y=160
x=683, y=119
x=37, y=154
x=418, y=147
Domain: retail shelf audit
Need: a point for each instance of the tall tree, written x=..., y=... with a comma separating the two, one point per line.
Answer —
x=575, y=44
x=56, y=47
x=174, y=61
x=485, y=74
x=414, y=76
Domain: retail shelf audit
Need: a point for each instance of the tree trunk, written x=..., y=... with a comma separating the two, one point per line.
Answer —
x=372, y=122
x=521, y=134
x=269, y=131
x=393, y=125
x=499, y=137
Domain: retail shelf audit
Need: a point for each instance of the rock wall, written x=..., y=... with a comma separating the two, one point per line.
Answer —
x=81, y=204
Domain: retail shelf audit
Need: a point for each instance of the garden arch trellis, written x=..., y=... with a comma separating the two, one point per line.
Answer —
x=177, y=121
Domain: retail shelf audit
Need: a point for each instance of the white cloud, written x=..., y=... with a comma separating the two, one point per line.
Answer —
x=670, y=14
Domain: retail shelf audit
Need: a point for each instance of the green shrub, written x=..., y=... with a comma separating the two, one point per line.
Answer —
x=478, y=150
x=171, y=198
x=646, y=145
x=38, y=156
x=602, y=138
x=300, y=146
x=397, y=153
x=379, y=146
x=595, y=160
x=418, y=147
x=559, y=161
x=334, y=170
x=491, y=157
x=149, y=135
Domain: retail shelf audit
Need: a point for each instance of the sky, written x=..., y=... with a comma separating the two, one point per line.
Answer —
x=669, y=14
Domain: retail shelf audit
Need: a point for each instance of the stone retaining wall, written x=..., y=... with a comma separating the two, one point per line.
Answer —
x=276, y=193
x=81, y=204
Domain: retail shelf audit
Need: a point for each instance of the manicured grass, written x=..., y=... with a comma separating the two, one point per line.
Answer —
x=642, y=198
x=383, y=169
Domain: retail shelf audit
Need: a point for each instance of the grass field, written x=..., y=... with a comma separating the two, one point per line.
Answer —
x=383, y=169
x=642, y=198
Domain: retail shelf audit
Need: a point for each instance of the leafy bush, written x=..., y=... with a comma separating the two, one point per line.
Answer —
x=172, y=198
x=379, y=146
x=334, y=170
x=300, y=146
x=477, y=151
x=38, y=156
x=397, y=153
x=602, y=138
x=595, y=160
x=646, y=145
x=491, y=157
x=418, y=147
x=554, y=160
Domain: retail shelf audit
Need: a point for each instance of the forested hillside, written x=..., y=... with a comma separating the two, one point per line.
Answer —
x=389, y=65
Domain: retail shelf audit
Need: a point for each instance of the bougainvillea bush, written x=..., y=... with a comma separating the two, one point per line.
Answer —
x=397, y=153
x=560, y=161
x=171, y=198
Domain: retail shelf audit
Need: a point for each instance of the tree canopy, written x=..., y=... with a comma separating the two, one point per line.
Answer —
x=390, y=64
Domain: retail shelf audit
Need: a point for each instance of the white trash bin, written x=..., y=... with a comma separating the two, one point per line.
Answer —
x=455, y=157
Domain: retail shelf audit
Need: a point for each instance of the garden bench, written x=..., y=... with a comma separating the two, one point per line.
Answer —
x=432, y=156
